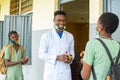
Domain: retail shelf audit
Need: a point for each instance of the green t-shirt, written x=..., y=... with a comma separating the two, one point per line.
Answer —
x=96, y=55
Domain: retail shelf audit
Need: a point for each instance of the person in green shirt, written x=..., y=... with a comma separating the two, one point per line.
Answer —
x=14, y=58
x=95, y=55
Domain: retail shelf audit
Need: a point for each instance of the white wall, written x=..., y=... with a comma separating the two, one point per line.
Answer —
x=95, y=8
x=43, y=12
x=4, y=8
x=35, y=71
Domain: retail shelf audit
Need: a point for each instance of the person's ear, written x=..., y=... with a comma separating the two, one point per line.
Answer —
x=99, y=29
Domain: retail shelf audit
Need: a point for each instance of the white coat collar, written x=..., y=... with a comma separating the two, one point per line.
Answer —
x=56, y=35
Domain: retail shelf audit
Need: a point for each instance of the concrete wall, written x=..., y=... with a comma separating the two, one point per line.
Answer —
x=4, y=8
x=43, y=11
x=95, y=9
x=36, y=70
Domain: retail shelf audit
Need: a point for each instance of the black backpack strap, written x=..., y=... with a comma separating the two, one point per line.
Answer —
x=107, y=50
x=109, y=55
x=118, y=56
x=94, y=74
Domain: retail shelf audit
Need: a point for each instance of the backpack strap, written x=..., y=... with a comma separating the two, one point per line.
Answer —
x=3, y=50
x=93, y=72
x=11, y=50
x=107, y=50
x=118, y=56
x=108, y=53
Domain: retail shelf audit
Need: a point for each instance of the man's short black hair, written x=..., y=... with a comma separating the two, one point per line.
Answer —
x=109, y=21
x=59, y=13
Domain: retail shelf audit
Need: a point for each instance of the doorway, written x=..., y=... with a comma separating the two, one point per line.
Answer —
x=78, y=24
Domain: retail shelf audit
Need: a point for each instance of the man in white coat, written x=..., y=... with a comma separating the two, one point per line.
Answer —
x=57, y=50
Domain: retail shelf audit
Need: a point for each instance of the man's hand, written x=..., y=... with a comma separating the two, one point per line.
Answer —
x=69, y=59
x=62, y=57
x=65, y=58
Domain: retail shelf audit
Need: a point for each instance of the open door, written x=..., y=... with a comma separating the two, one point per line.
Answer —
x=78, y=24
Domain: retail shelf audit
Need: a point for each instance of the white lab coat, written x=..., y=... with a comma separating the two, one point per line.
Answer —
x=52, y=45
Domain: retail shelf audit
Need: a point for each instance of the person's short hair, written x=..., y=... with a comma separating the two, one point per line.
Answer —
x=12, y=32
x=109, y=21
x=59, y=13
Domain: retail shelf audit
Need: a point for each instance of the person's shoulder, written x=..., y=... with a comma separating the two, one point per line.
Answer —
x=47, y=32
x=68, y=33
x=21, y=46
x=93, y=41
x=7, y=46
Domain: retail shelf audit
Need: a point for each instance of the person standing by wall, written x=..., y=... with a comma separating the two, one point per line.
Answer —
x=14, y=58
x=57, y=50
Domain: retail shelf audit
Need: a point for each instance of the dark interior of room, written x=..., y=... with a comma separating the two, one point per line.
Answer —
x=78, y=24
